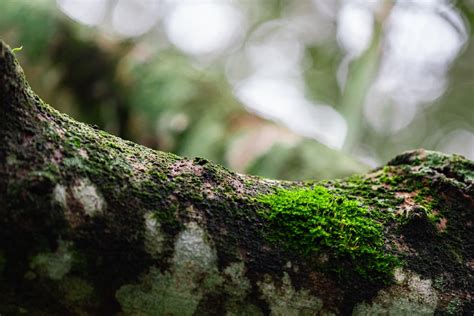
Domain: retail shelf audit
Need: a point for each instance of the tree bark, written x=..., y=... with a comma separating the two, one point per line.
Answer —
x=93, y=224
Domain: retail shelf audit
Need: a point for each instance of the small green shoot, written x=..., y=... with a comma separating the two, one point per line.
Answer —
x=17, y=49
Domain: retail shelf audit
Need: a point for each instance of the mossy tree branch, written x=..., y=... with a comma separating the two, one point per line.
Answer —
x=92, y=224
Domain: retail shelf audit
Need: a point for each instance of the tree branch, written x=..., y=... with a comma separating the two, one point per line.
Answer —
x=93, y=224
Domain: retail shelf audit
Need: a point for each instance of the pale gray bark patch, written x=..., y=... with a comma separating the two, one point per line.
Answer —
x=285, y=300
x=87, y=194
x=411, y=295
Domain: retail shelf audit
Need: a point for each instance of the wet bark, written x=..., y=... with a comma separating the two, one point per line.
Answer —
x=92, y=224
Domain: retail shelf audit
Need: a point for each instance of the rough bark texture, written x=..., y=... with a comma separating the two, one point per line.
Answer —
x=92, y=224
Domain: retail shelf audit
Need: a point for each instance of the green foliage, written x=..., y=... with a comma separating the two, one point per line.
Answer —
x=312, y=221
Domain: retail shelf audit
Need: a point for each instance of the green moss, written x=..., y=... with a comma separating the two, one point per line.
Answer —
x=77, y=292
x=75, y=141
x=381, y=199
x=463, y=167
x=158, y=295
x=388, y=177
x=313, y=221
x=53, y=265
x=74, y=162
x=454, y=307
x=427, y=203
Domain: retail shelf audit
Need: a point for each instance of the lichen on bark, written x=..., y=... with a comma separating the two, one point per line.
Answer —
x=92, y=224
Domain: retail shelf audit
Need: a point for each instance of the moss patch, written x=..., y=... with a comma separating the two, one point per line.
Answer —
x=177, y=292
x=53, y=265
x=316, y=221
x=284, y=299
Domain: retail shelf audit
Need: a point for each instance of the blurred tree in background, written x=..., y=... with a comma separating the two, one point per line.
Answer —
x=284, y=89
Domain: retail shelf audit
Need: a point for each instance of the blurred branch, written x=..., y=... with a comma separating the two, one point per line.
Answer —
x=362, y=73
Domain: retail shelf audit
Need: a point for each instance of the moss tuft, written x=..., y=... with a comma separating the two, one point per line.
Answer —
x=314, y=221
x=387, y=177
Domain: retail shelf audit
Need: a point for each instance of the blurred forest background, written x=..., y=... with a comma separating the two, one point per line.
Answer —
x=290, y=89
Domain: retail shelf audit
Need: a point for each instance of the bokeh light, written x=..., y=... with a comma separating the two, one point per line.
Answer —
x=203, y=27
x=87, y=12
x=134, y=17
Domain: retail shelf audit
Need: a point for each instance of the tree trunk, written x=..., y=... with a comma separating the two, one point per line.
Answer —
x=93, y=224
